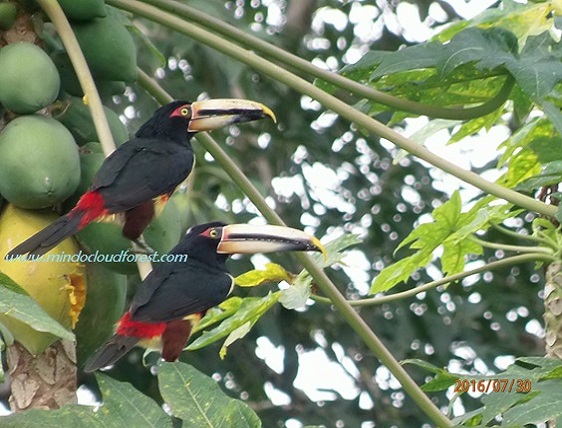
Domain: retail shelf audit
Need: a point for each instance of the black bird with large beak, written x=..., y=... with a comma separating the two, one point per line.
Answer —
x=145, y=170
x=160, y=312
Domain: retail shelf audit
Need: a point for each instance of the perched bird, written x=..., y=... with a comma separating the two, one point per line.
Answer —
x=144, y=170
x=159, y=313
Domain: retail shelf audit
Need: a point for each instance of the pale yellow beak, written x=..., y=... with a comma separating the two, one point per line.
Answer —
x=208, y=115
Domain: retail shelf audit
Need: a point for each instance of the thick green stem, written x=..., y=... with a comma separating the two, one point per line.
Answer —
x=320, y=277
x=297, y=63
x=510, y=261
x=361, y=120
x=58, y=18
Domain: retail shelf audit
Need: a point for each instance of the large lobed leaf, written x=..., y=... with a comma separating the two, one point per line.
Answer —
x=528, y=392
x=123, y=406
x=199, y=402
x=450, y=230
x=192, y=396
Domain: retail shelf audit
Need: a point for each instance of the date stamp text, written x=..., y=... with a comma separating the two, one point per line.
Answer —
x=522, y=386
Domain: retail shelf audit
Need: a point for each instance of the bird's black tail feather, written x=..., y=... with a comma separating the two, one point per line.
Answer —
x=110, y=352
x=49, y=237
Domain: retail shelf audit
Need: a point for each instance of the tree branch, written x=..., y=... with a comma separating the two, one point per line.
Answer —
x=332, y=103
x=320, y=277
x=510, y=261
x=290, y=60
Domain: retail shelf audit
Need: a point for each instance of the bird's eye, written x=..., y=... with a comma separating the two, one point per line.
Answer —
x=184, y=111
x=213, y=233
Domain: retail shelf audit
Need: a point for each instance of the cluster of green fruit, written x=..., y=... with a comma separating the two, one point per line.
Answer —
x=49, y=155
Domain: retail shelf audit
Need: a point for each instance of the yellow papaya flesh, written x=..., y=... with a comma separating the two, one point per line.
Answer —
x=58, y=287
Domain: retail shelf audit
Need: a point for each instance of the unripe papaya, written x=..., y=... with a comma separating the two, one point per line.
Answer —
x=58, y=287
x=8, y=12
x=91, y=157
x=108, y=47
x=29, y=80
x=83, y=10
x=71, y=85
x=105, y=303
x=39, y=163
x=75, y=115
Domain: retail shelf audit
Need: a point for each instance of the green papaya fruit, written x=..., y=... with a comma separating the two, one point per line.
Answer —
x=29, y=80
x=39, y=162
x=75, y=115
x=8, y=12
x=108, y=47
x=83, y=10
x=105, y=303
x=71, y=85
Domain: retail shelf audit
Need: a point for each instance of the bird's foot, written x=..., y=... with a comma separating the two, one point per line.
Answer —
x=139, y=246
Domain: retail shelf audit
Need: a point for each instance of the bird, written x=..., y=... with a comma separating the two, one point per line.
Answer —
x=161, y=309
x=142, y=173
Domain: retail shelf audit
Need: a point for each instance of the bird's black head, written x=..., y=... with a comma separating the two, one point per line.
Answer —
x=201, y=242
x=179, y=120
x=169, y=121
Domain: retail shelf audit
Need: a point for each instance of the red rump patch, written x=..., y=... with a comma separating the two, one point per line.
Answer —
x=144, y=330
x=90, y=207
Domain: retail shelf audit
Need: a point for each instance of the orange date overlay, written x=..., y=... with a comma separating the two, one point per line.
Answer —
x=522, y=386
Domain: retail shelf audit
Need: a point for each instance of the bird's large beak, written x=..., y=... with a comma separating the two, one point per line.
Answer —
x=207, y=115
x=251, y=239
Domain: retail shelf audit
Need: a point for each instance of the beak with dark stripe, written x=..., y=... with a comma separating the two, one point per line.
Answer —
x=207, y=115
x=251, y=239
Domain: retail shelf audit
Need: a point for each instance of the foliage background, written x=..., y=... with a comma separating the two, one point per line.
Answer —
x=325, y=175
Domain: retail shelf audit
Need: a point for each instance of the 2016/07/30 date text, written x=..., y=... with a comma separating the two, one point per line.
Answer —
x=493, y=385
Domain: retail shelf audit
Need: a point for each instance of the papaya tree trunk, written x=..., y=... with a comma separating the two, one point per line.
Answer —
x=46, y=381
x=553, y=310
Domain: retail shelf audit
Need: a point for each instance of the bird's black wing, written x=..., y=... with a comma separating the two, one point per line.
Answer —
x=140, y=170
x=175, y=290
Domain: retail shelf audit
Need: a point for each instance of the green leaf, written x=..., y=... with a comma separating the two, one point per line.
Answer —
x=442, y=379
x=334, y=249
x=234, y=335
x=547, y=149
x=17, y=304
x=537, y=69
x=451, y=230
x=219, y=313
x=10, y=284
x=473, y=126
x=198, y=400
x=122, y=406
x=251, y=309
x=272, y=273
x=528, y=392
x=551, y=174
x=553, y=113
x=123, y=403
x=296, y=295
x=522, y=19
x=425, y=238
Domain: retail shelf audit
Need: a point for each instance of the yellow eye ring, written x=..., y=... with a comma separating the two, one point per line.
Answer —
x=213, y=233
x=184, y=111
